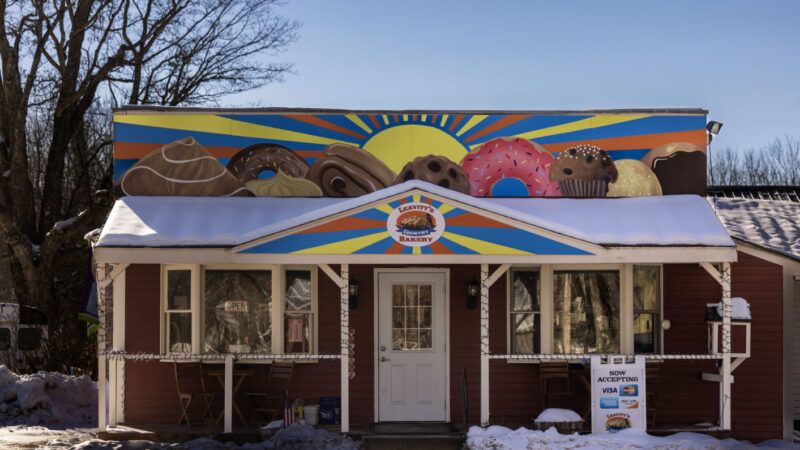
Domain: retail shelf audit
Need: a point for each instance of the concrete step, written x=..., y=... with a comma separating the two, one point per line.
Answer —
x=415, y=442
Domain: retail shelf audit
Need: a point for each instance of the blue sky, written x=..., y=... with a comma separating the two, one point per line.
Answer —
x=738, y=59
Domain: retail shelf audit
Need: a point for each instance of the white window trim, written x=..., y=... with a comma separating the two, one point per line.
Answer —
x=546, y=273
x=510, y=292
x=278, y=278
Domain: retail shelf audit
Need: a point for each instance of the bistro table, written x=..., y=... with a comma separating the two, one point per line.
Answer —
x=239, y=375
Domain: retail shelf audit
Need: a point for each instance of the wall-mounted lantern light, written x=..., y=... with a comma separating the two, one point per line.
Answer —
x=352, y=292
x=473, y=289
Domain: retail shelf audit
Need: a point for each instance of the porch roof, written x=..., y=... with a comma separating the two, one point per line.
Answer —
x=225, y=222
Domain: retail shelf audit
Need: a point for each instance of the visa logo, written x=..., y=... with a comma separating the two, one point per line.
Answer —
x=609, y=390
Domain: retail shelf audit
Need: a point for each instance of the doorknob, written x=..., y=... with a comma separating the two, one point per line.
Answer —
x=384, y=359
x=383, y=348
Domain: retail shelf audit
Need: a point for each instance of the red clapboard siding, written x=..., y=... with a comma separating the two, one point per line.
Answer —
x=514, y=388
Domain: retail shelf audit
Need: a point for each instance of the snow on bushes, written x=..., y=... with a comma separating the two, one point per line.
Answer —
x=47, y=398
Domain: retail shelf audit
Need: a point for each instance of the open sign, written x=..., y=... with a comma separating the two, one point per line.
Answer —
x=239, y=306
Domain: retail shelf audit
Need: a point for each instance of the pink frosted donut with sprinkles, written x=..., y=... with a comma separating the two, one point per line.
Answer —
x=507, y=157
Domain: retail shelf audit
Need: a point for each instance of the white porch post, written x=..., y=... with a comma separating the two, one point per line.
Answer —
x=228, y=405
x=725, y=370
x=117, y=367
x=345, y=343
x=484, y=344
x=102, y=419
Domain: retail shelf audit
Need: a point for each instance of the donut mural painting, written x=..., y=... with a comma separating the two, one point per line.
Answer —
x=277, y=152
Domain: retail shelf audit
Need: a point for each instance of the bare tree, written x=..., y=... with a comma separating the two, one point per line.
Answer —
x=64, y=63
x=776, y=164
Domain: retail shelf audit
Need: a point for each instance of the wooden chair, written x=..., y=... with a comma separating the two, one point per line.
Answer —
x=652, y=380
x=270, y=402
x=188, y=377
x=553, y=372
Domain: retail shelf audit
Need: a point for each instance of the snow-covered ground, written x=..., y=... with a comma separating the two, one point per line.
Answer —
x=501, y=438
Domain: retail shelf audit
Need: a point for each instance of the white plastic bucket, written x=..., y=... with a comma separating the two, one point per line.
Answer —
x=311, y=414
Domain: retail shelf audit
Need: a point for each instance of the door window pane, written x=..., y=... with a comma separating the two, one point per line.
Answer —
x=412, y=319
x=586, y=312
x=237, y=311
x=644, y=336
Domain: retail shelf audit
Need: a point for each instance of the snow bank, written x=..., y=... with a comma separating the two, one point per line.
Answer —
x=497, y=437
x=296, y=437
x=740, y=309
x=47, y=398
x=558, y=415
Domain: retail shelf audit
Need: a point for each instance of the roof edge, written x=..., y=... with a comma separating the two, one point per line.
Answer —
x=307, y=110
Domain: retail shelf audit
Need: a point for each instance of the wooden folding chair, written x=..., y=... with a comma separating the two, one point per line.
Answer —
x=550, y=373
x=188, y=377
x=269, y=403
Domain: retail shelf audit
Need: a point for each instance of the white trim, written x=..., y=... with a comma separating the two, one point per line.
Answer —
x=344, y=367
x=376, y=271
x=547, y=320
x=118, y=344
x=641, y=255
x=228, y=395
x=626, y=309
x=485, y=349
x=193, y=310
x=725, y=398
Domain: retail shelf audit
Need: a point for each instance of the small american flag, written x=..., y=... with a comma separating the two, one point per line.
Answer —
x=288, y=414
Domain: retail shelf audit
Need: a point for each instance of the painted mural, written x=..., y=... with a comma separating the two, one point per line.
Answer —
x=415, y=225
x=351, y=154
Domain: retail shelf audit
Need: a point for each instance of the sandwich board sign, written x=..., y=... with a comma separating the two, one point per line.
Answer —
x=618, y=394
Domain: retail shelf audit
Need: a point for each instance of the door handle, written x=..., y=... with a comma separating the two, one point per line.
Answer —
x=383, y=348
x=384, y=359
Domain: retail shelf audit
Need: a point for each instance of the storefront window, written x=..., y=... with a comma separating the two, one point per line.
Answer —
x=237, y=311
x=586, y=312
x=5, y=339
x=646, y=318
x=29, y=339
x=298, y=313
x=524, y=312
x=179, y=311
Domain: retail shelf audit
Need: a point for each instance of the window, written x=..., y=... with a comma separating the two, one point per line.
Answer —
x=586, y=307
x=646, y=308
x=412, y=319
x=232, y=309
x=298, y=313
x=178, y=308
x=5, y=339
x=29, y=339
x=524, y=312
x=238, y=308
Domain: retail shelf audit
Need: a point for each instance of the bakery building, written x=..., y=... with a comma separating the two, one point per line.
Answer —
x=427, y=266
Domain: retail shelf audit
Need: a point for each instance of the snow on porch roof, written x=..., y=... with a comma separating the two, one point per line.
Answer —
x=773, y=225
x=680, y=220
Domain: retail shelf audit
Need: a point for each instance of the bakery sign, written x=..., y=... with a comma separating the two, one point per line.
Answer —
x=415, y=224
x=618, y=394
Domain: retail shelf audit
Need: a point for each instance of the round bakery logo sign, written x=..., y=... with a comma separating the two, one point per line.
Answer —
x=415, y=224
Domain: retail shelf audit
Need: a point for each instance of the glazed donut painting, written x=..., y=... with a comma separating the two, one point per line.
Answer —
x=331, y=153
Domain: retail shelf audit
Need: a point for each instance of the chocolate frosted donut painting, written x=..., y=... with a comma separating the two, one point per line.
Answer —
x=679, y=166
x=181, y=168
x=437, y=170
x=251, y=161
x=347, y=171
x=507, y=158
x=583, y=171
x=634, y=180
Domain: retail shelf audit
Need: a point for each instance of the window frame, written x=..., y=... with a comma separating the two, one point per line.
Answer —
x=198, y=313
x=546, y=303
x=659, y=310
x=509, y=299
x=194, y=306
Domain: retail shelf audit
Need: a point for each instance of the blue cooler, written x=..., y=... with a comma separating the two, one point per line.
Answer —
x=330, y=410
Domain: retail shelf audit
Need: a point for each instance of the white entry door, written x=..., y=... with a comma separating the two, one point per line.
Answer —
x=412, y=352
